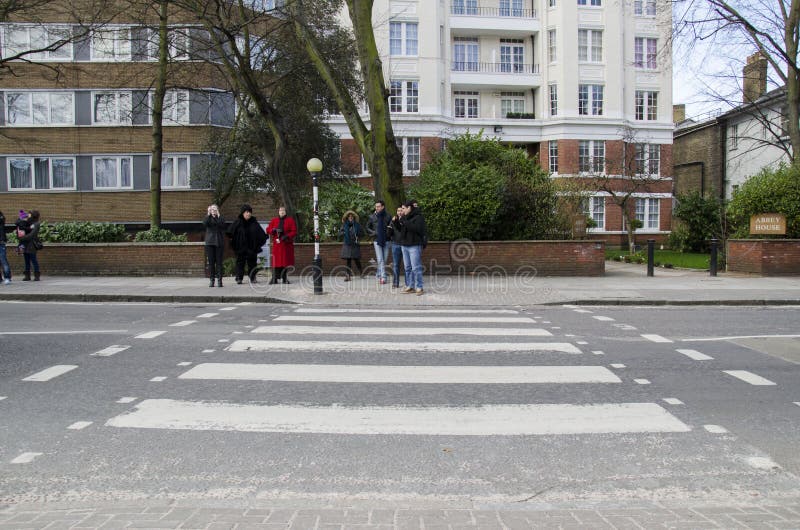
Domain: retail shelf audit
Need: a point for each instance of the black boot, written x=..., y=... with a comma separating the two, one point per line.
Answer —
x=219, y=282
x=211, y=283
x=26, y=276
x=36, y=276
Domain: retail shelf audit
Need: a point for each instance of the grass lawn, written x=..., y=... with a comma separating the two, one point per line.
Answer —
x=685, y=260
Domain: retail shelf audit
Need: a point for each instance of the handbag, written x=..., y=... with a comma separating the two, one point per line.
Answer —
x=37, y=244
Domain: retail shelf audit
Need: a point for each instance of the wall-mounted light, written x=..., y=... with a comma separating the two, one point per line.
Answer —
x=498, y=128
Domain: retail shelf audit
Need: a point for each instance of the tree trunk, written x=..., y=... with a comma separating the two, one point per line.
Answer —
x=158, y=114
x=793, y=78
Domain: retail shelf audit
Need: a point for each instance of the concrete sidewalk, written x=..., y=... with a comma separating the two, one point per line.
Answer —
x=626, y=284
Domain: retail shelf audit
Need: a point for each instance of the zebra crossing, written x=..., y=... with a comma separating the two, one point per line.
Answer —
x=356, y=335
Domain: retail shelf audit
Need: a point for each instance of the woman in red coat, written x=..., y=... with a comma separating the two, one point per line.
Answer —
x=281, y=231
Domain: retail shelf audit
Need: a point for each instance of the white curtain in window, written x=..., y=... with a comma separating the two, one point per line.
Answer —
x=21, y=174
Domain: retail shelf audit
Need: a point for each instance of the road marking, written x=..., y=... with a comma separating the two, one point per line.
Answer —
x=224, y=340
x=795, y=402
x=150, y=335
x=695, y=355
x=419, y=319
x=78, y=425
x=488, y=420
x=209, y=351
x=412, y=311
x=673, y=401
x=227, y=308
x=350, y=330
x=329, y=373
x=761, y=462
x=715, y=429
x=598, y=352
x=184, y=363
x=401, y=347
x=71, y=332
x=126, y=400
x=581, y=342
x=603, y=319
x=25, y=458
x=158, y=379
x=642, y=381
x=750, y=377
x=616, y=365
x=51, y=373
x=582, y=311
x=742, y=337
x=3, y=397
x=207, y=315
x=655, y=338
x=625, y=327
x=183, y=323
x=111, y=350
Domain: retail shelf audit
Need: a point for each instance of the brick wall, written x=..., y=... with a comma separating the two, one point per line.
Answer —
x=542, y=258
x=697, y=155
x=767, y=257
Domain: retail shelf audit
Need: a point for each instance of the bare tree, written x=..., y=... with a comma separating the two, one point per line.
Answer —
x=734, y=30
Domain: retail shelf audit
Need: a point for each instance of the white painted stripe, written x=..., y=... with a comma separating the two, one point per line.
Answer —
x=749, y=377
x=582, y=311
x=224, y=340
x=795, y=402
x=695, y=355
x=3, y=397
x=72, y=332
x=418, y=319
x=150, y=335
x=488, y=420
x=351, y=330
x=761, y=462
x=598, y=352
x=655, y=338
x=331, y=373
x=126, y=400
x=51, y=373
x=227, y=308
x=439, y=347
x=742, y=337
x=25, y=458
x=183, y=323
x=209, y=351
x=207, y=315
x=617, y=365
x=111, y=350
x=158, y=379
x=412, y=311
x=184, y=363
x=78, y=425
x=715, y=429
x=673, y=401
x=603, y=319
x=581, y=342
x=642, y=381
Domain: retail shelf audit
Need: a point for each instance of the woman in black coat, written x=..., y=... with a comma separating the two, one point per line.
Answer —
x=31, y=240
x=247, y=238
x=215, y=243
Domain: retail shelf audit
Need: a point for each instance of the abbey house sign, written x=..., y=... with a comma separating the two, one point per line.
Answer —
x=768, y=223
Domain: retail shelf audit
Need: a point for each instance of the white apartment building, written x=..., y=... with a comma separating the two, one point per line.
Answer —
x=565, y=79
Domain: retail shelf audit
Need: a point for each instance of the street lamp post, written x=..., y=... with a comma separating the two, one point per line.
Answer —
x=314, y=166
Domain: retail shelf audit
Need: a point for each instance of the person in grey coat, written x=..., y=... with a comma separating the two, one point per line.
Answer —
x=215, y=243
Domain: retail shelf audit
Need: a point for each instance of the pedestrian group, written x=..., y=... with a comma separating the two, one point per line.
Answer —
x=26, y=228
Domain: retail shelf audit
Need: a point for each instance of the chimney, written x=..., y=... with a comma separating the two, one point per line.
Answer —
x=754, y=76
x=678, y=113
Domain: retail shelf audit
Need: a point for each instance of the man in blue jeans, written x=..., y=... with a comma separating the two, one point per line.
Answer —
x=3, y=257
x=393, y=234
x=376, y=227
x=413, y=234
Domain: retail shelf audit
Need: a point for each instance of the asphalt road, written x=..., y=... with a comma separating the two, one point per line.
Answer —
x=113, y=413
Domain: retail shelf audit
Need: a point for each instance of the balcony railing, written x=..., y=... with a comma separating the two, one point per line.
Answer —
x=473, y=11
x=494, y=68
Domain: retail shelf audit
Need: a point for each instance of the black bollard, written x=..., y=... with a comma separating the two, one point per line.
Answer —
x=712, y=269
x=650, y=252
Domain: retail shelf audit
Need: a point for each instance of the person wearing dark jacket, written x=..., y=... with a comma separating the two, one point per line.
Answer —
x=247, y=238
x=376, y=227
x=31, y=240
x=3, y=257
x=413, y=234
x=215, y=243
x=393, y=233
x=351, y=232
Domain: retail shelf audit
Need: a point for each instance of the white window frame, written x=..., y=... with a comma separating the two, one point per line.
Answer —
x=123, y=111
x=592, y=3
x=465, y=7
x=646, y=105
x=173, y=162
x=644, y=8
x=590, y=45
x=648, y=160
x=466, y=54
x=595, y=207
x=47, y=35
x=412, y=154
x=734, y=136
x=590, y=100
x=399, y=36
x=645, y=53
x=648, y=211
x=552, y=156
x=552, y=3
x=404, y=96
x=552, y=46
x=118, y=176
x=120, y=49
x=512, y=55
x=512, y=102
x=467, y=97
x=171, y=111
x=553, y=90
x=32, y=117
x=31, y=160
x=594, y=153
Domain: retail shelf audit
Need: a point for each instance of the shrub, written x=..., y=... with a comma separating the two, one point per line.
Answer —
x=160, y=235
x=700, y=219
x=770, y=191
x=335, y=198
x=78, y=232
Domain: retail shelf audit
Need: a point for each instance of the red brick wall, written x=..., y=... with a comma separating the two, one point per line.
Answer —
x=542, y=258
x=767, y=257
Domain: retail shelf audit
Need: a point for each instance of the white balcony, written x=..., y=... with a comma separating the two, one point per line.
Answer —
x=518, y=23
x=512, y=76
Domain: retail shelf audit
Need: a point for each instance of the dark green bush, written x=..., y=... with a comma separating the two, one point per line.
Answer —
x=698, y=220
x=771, y=191
x=160, y=235
x=78, y=232
x=335, y=198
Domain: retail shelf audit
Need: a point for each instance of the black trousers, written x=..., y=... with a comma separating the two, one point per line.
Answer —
x=280, y=274
x=243, y=260
x=350, y=265
x=214, y=257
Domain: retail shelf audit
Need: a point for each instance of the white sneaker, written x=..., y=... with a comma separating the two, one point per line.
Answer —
x=6, y=281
